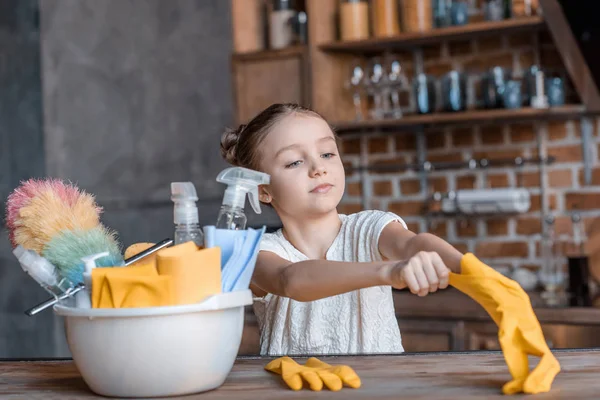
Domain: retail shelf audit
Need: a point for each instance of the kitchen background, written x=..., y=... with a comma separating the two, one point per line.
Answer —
x=125, y=96
x=121, y=97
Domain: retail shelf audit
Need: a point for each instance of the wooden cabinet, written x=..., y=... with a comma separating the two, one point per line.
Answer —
x=421, y=335
x=251, y=336
x=450, y=321
x=263, y=78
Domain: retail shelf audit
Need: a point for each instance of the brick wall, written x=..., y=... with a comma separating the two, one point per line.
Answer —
x=511, y=242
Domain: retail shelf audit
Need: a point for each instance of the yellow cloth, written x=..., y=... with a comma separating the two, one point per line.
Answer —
x=134, y=286
x=140, y=291
x=519, y=332
x=137, y=248
x=196, y=272
x=315, y=373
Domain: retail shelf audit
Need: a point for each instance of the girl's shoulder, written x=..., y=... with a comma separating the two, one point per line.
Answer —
x=273, y=238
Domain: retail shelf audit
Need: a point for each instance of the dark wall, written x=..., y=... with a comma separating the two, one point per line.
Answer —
x=135, y=95
x=21, y=156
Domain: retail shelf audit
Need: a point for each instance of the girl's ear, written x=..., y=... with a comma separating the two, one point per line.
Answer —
x=263, y=194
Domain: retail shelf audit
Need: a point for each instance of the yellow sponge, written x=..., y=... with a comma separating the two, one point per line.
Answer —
x=196, y=273
x=137, y=248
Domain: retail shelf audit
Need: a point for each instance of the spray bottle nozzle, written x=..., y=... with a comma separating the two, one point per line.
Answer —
x=241, y=181
x=183, y=194
x=90, y=261
x=183, y=191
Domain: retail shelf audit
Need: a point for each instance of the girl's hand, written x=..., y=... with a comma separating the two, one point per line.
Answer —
x=423, y=273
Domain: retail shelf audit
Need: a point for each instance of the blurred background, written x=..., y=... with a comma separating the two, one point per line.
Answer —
x=438, y=103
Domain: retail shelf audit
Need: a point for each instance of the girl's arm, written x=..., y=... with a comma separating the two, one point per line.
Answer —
x=398, y=243
x=316, y=279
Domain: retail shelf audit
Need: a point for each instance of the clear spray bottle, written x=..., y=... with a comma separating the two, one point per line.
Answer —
x=185, y=213
x=239, y=181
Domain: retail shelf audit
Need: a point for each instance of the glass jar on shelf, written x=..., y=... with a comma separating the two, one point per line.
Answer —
x=425, y=93
x=281, y=30
x=385, y=18
x=524, y=8
x=417, y=15
x=355, y=84
x=459, y=13
x=494, y=10
x=396, y=82
x=376, y=83
x=441, y=13
x=552, y=273
x=354, y=20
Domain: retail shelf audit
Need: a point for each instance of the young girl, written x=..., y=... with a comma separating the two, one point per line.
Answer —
x=323, y=282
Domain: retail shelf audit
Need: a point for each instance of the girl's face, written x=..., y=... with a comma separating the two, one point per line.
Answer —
x=307, y=176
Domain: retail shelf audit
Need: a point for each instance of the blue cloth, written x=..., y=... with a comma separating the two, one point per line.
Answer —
x=239, y=250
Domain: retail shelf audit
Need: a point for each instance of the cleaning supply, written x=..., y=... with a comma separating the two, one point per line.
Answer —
x=519, y=331
x=315, y=373
x=66, y=250
x=196, y=273
x=239, y=250
x=83, y=298
x=185, y=213
x=240, y=181
x=130, y=260
x=136, y=248
x=39, y=209
x=102, y=289
x=42, y=271
x=145, y=253
x=139, y=291
x=346, y=373
x=61, y=223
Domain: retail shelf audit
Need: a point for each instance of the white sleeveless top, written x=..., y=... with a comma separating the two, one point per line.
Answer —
x=362, y=321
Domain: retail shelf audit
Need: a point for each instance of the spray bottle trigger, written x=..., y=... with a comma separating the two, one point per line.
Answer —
x=253, y=199
x=90, y=261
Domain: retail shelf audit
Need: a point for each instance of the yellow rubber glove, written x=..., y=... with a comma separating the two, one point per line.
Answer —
x=316, y=375
x=347, y=374
x=519, y=331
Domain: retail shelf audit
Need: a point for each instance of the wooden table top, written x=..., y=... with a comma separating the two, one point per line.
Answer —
x=478, y=375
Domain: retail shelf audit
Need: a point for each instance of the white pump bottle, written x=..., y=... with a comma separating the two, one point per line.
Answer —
x=83, y=298
x=185, y=213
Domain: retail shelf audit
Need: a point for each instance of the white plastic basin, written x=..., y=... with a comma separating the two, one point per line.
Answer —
x=157, y=351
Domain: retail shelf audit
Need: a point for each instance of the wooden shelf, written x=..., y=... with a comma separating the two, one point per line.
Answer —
x=411, y=40
x=292, y=51
x=466, y=117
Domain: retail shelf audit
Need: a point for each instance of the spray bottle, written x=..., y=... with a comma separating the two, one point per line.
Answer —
x=239, y=181
x=185, y=213
x=83, y=299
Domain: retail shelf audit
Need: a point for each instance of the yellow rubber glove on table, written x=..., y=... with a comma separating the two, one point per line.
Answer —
x=519, y=330
x=315, y=373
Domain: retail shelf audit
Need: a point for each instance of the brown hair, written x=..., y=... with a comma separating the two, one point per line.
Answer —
x=239, y=146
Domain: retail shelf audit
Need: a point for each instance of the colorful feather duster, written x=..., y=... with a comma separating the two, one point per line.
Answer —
x=60, y=222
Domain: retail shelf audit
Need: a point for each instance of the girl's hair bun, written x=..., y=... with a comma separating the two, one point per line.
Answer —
x=229, y=142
